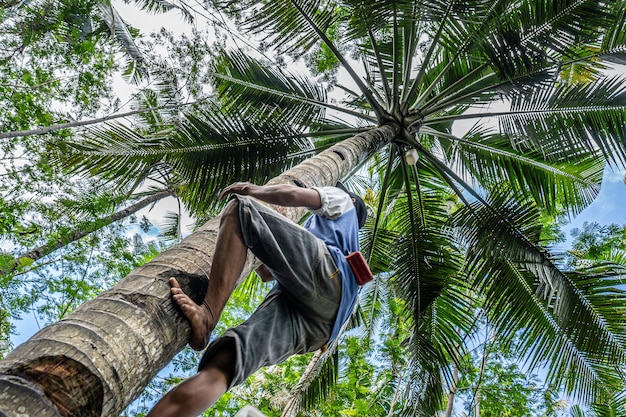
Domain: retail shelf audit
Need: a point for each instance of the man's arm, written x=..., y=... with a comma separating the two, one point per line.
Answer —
x=280, y=194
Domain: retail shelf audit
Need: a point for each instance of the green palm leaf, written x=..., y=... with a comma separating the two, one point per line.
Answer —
x=521, y=282
x=493, y=160
x=202, y=154
x=596, y=116
x=259, y=91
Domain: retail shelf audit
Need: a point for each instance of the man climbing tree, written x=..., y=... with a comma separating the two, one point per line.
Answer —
x=315, y=293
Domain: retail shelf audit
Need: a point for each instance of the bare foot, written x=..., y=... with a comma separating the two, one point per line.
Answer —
x=198, y=316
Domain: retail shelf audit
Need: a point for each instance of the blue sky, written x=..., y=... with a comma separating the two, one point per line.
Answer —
x=610, y=205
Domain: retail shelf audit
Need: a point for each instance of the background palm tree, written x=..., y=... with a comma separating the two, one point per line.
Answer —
x=546, y=121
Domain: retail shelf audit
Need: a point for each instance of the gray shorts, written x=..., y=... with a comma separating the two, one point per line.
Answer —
x=299, y=312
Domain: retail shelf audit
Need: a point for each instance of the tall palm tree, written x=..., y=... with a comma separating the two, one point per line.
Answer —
x=546, y=119
x=33, y=255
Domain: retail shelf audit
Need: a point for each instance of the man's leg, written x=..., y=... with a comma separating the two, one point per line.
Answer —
x=194, y=395
x=228, y=262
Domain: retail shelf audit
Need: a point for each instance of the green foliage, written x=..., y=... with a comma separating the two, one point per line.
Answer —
x=459, y=234
x=595, y=245
x=492, y=384
x=52, y=54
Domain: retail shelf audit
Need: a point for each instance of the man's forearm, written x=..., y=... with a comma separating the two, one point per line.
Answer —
x=280, y=194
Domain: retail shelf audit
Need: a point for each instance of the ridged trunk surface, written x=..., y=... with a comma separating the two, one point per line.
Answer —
x=98, y=360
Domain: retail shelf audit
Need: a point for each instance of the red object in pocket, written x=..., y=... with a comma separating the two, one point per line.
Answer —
x=360, y=268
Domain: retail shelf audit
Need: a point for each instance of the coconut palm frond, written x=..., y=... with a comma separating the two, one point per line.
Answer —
x=164, y=6
x=170, y=226
x=596, y=118
x=319, y=381
x=536, y=36
x=214, y=150
x=509, y=266
x=120, y=31
x=288, y=22
x=614, y=41
x=551, y=180
x=204, y=153
x=256, y=89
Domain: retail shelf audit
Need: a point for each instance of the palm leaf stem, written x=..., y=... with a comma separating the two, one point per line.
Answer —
x=420, y=201
x=559, y=16
x=454, y=187
x=510, y=155
x=433, y=45
x=461, y=81
x=459, y=51
x=396, y=62
x=382, y=197
x=560, y=111
x=381, y=67
x=419, y=194
x=408, y=57
x=332, y=132
x=414, y=251
x=381, y=203
x=378, y=109
x=454, y=100
x=295, y=97
x=449, y=90
x=149, y=150
x=446, y=170
x=372, y=83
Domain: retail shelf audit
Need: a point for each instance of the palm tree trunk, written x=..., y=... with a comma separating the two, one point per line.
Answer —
x=77, y=234
x=99, y=358
x=452, y=394
x=46, y=249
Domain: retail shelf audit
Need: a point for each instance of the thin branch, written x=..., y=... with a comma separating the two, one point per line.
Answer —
x=48, y=248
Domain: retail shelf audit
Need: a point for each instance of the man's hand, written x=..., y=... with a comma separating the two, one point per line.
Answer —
x=241, y=188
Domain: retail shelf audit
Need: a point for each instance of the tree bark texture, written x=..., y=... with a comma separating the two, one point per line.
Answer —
x=97, y=360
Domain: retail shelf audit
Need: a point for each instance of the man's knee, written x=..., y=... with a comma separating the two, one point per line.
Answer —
x=231, y=211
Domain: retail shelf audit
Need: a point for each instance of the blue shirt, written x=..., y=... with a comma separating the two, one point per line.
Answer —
x=337, y=225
